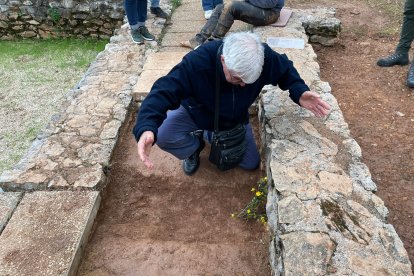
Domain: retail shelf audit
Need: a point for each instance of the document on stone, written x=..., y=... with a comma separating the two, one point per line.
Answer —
x=284, y=42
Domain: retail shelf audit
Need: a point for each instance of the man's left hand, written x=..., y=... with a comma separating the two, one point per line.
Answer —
x=313, y=102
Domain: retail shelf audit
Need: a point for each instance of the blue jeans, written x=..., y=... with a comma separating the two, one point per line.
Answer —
x=210, y=4
x=176, y=136
x=136, y=11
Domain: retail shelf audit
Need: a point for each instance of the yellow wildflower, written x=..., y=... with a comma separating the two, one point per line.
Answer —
x=248, y=211
x=258, y=193
x=265, y=178
x=233, y=215
x=253, y=189
x=262, y=219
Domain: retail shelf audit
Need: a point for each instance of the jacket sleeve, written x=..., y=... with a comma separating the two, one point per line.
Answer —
x=285, y=75
x=166, y=94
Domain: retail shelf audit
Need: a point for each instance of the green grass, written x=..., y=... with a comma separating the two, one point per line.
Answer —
x=391, y=8
x=34, y=77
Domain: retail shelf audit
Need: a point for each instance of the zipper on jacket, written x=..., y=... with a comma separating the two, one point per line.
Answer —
x=232, y=88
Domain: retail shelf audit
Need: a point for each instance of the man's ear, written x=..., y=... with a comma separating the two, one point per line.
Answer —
x=222, y=58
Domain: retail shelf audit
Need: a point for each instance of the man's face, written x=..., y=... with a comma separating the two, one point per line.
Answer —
x=230, y=76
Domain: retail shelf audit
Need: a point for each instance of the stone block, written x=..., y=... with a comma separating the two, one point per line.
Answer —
x=181, y=15
x=145, y=82
x=8, y=202
x=163, y=60
x=47, y=232
x=174, y=39
x=187, y=27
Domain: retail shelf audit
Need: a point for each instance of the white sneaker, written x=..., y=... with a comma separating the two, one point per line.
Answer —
x=207, y=14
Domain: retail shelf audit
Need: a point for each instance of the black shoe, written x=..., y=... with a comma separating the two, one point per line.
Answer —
x=191, y=164
x=158, y=12
x=394, y=59
x=410, y=77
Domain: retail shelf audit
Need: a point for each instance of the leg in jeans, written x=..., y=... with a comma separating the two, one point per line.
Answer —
x=155, y=3
x=136, y=11
x=251, y=158
x=246, y=12
x=176, y=136
x=217, y=2
x=207, y=5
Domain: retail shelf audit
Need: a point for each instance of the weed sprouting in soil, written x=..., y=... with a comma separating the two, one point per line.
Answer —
x=256, y=208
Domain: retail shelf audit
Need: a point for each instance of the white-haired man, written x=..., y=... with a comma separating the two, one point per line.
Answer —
x=244, y=65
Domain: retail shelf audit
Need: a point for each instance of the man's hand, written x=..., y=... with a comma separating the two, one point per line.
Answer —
x=144, y=148
x=313, y=102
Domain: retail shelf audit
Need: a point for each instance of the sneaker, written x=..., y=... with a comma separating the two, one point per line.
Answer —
x=394, y=59
x=158, y=12
x=137, y=37
x=410, y=77
x=191, y=164
x=207, y=14
x=192, y=43
x=145, y=33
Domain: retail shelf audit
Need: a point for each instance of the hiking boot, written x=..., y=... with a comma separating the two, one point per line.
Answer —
x=191, y=164
x=192, y=43
x=145, y=33
x=410, y=77
x=394, y=59
x=158, y=12
x=137, y=37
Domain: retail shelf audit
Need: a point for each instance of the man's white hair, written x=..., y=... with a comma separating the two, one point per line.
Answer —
x=244, y=55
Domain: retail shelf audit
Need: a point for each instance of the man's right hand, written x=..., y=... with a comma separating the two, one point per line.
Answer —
x=144, y=148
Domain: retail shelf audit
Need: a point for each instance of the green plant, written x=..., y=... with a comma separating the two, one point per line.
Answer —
x=175, y=4
x=256, y=208
x=54, y=14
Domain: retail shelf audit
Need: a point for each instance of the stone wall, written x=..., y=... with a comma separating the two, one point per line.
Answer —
x=63, y=18
x=323, y=214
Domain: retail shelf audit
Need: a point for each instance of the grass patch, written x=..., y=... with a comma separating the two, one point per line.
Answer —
x=391, y=8
x=34, y=77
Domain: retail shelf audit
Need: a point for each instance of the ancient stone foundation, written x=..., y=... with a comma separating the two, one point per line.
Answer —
x=60, y=18
x=324, y=216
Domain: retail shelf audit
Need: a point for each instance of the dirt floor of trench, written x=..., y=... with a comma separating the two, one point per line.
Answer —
x=166, y=223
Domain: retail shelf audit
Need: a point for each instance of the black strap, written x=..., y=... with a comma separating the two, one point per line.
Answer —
x=217, y=100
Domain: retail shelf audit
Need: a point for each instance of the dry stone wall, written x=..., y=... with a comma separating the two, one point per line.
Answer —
x=323, y=213
x=47, y=18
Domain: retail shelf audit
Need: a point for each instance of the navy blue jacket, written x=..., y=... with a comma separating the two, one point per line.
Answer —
x=191, y=83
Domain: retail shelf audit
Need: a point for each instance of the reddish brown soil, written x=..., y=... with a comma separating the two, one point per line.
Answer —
x=166, y=223
x=377, y=106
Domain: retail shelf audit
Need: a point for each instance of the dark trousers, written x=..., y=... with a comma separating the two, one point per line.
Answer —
x=407, y=29
x=176, y=136
x=224, y=15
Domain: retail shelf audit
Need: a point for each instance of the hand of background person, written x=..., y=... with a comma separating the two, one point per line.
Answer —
x=313, y=102
x=144, y=148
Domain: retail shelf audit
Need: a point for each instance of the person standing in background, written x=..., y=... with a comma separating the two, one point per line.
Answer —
x=400, y=56
x=255, y=12
x=156, y=10
x=209, y=6
x=136, y=11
